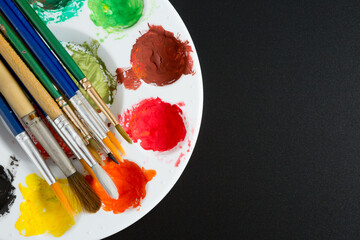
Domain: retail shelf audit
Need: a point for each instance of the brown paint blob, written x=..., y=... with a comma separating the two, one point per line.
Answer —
x=128, y=78
x=157, y=57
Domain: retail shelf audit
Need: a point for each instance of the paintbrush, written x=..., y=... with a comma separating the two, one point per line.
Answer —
x=42, y=76
x=44, y=115
x=70, y=64
x=22, y=106
x=55, y=70
x=17, y=130
x=39, y=73
x=93, y=152
x=96, y=155
x=101, y=146
x=98, y=144
x=57, y=73
x=62, y=125
x=95, y=170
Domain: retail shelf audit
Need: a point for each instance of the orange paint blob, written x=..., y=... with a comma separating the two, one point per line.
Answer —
x=130, y=181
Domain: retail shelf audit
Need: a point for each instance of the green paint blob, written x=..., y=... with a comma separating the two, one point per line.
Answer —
x=85, y=55
x=50, y=4
x=114, y=15
x=56, y=10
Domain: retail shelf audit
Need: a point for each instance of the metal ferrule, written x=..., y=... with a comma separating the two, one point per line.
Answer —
x=87, y=116
x=74, y=140
x=93, y=112
x=90, y=90
x=77, y=122
x=88, y=137
x=30, y=149
x=61, y=102
x=70, y=143
x=49, y=143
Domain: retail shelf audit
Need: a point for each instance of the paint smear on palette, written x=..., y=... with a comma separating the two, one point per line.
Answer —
x=12, y=167
x=7, y=195
x=130, y=181
x=86, y=57
x=177, y=163
x=61, y=142
x=158, y=58
x=158, y=125
x=114, y=15
x=56, y=10
x=182, y=155
x=41, y=211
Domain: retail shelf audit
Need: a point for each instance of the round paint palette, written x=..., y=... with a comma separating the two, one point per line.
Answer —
x=151, y=77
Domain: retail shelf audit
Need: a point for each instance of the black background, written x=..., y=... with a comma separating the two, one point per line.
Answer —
x=278, y=155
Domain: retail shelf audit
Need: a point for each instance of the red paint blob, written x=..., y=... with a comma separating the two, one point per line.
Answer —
x=130, y=181
x=157, y=57
x=158, y=125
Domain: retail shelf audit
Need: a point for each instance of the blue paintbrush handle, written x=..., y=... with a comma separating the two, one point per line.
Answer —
x=37, y=46
x=9, y=117
x=24, y=140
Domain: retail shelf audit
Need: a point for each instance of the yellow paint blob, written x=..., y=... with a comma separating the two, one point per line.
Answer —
x=41, y=211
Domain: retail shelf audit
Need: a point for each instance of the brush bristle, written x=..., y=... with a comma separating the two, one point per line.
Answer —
x=123, y=133
x=89, y=201
x=62, y=198
x=87, y=168
x=116, y=142
x=94, y=144
x=105, y=181
x=112, y=148
x=112, y=158
x=96, y=155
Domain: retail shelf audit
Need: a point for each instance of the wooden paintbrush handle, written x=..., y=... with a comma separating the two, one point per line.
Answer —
x=29, y=80
x=13, y=93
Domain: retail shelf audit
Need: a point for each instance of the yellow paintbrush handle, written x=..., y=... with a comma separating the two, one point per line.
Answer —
x=13, y=93
x=29, y=80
